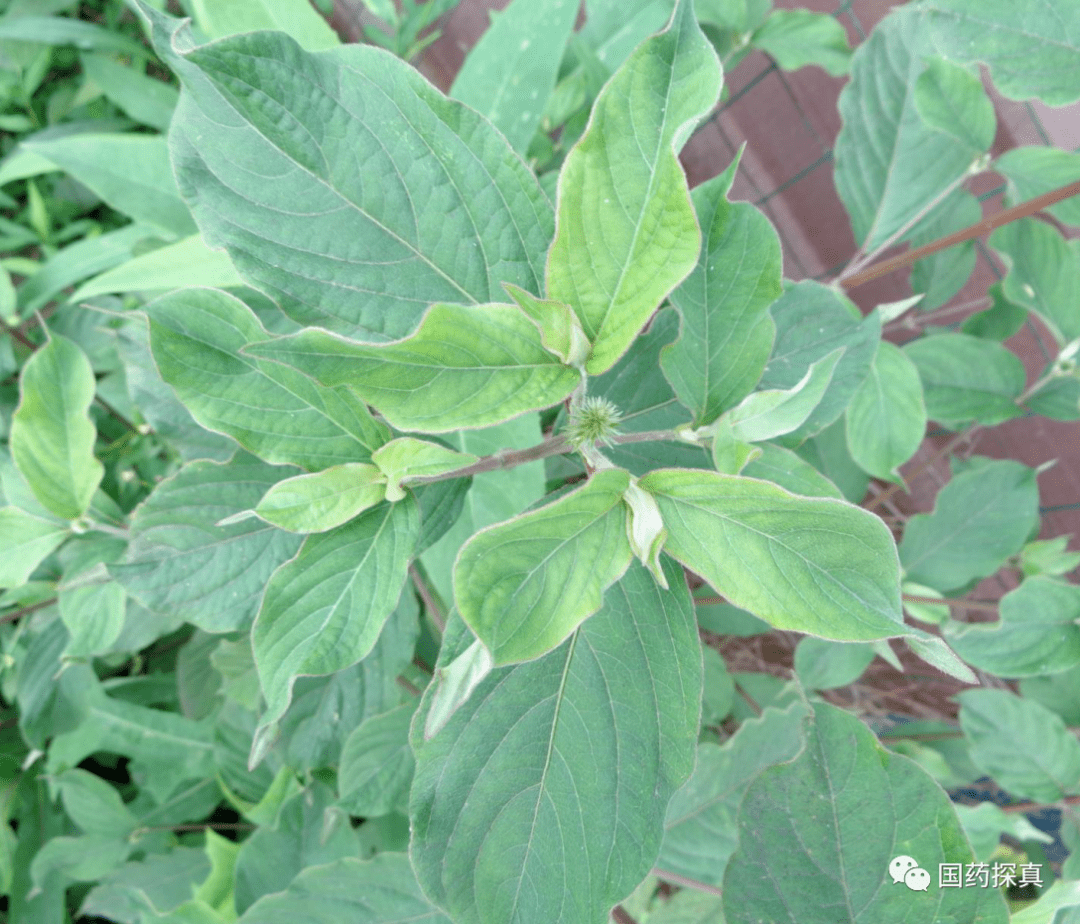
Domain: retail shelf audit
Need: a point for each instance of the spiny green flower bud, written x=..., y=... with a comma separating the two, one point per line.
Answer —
x=594, y=421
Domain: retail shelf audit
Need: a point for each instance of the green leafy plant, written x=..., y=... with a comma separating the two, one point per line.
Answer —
x=384, y=467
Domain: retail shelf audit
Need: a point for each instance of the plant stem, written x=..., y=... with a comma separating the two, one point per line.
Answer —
x=937, y=457
x=552, y=446
x=858, y=262
x=27, y=610
x=985, y=226
x=426, y=594
x=686, y=883
x=978, y=605
x=621, y=916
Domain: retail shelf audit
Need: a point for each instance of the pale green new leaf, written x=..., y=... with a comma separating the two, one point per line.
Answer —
x=324, y=500
x=523, y=586
x=796, y=38
x=323, y=610
x=181, y=563
x=197, y=337
x=543, y=798
x=626, y=233
x=980, y=518
x=188, y=262
x=701, y=833
x=1032, y=47
x=1032, y=171
x=726, y=332
x=814, y=565
x=560, y=329
x=1044, y=273
x=825, y=665
x=219, y=18
x=890, y=165
x=465, y=367
x=848, y=806
x=406, y=458
x=509, y=74
x=886, y=419
x=1021, y=744
x=788, y=470
x=951, y=99
x=94, y=805
x=52, y=436
x=382, y=890
x=128, y=171
x=967, y=378
x=407, y=198
x=764, y=415
x=1038, y=633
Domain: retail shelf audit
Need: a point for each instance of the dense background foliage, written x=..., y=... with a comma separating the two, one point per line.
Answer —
x=384, y=476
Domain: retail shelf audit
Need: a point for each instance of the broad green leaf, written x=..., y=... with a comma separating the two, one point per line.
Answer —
x=812, y=321
x=274, y=856
x=323, y=610
x=25, y=541
x=626, y=232
x=406, y=458
x=409, y=198
x=180, y=562
x=788, y=470
x=177, y=748
x=509, y=74
x=765, y=415
x=324, y=500
x=158, y=403
x=1044, y=273
x=1031, y=48
x=1038, y=633
x=52, y=437
x=77, y=261
x=980, y=518
x=967, y=379
x=814, y=565
x=377, y=764
x=1060, y=895
x=719, y=692
x=94, y=616
x=523, y=586
x=886, y=420
x=796, y=38
x=941, y=275
x=701, y=833
x=936, y=652
x=382, y=890
x=951, y=99
x=161, y=882
x=94, y=805
x=1032, y=171
x=197, y=335
x=454, y=684
x=217, y=890
x=890, y=165
x=128, y=171
x=999, y=322
x=465, y=367
x=726, y=334
x=590, y=740
x=824, y=665
x=220, y=18
x=143, y=98
x=1024, y=746
x=82, y=859
x=188, y=262
x=60, y=30
x=492, y=498
x=848, y=806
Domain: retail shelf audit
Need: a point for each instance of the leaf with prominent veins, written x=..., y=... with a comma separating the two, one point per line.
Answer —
x=467, y=366
x=626, y=234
